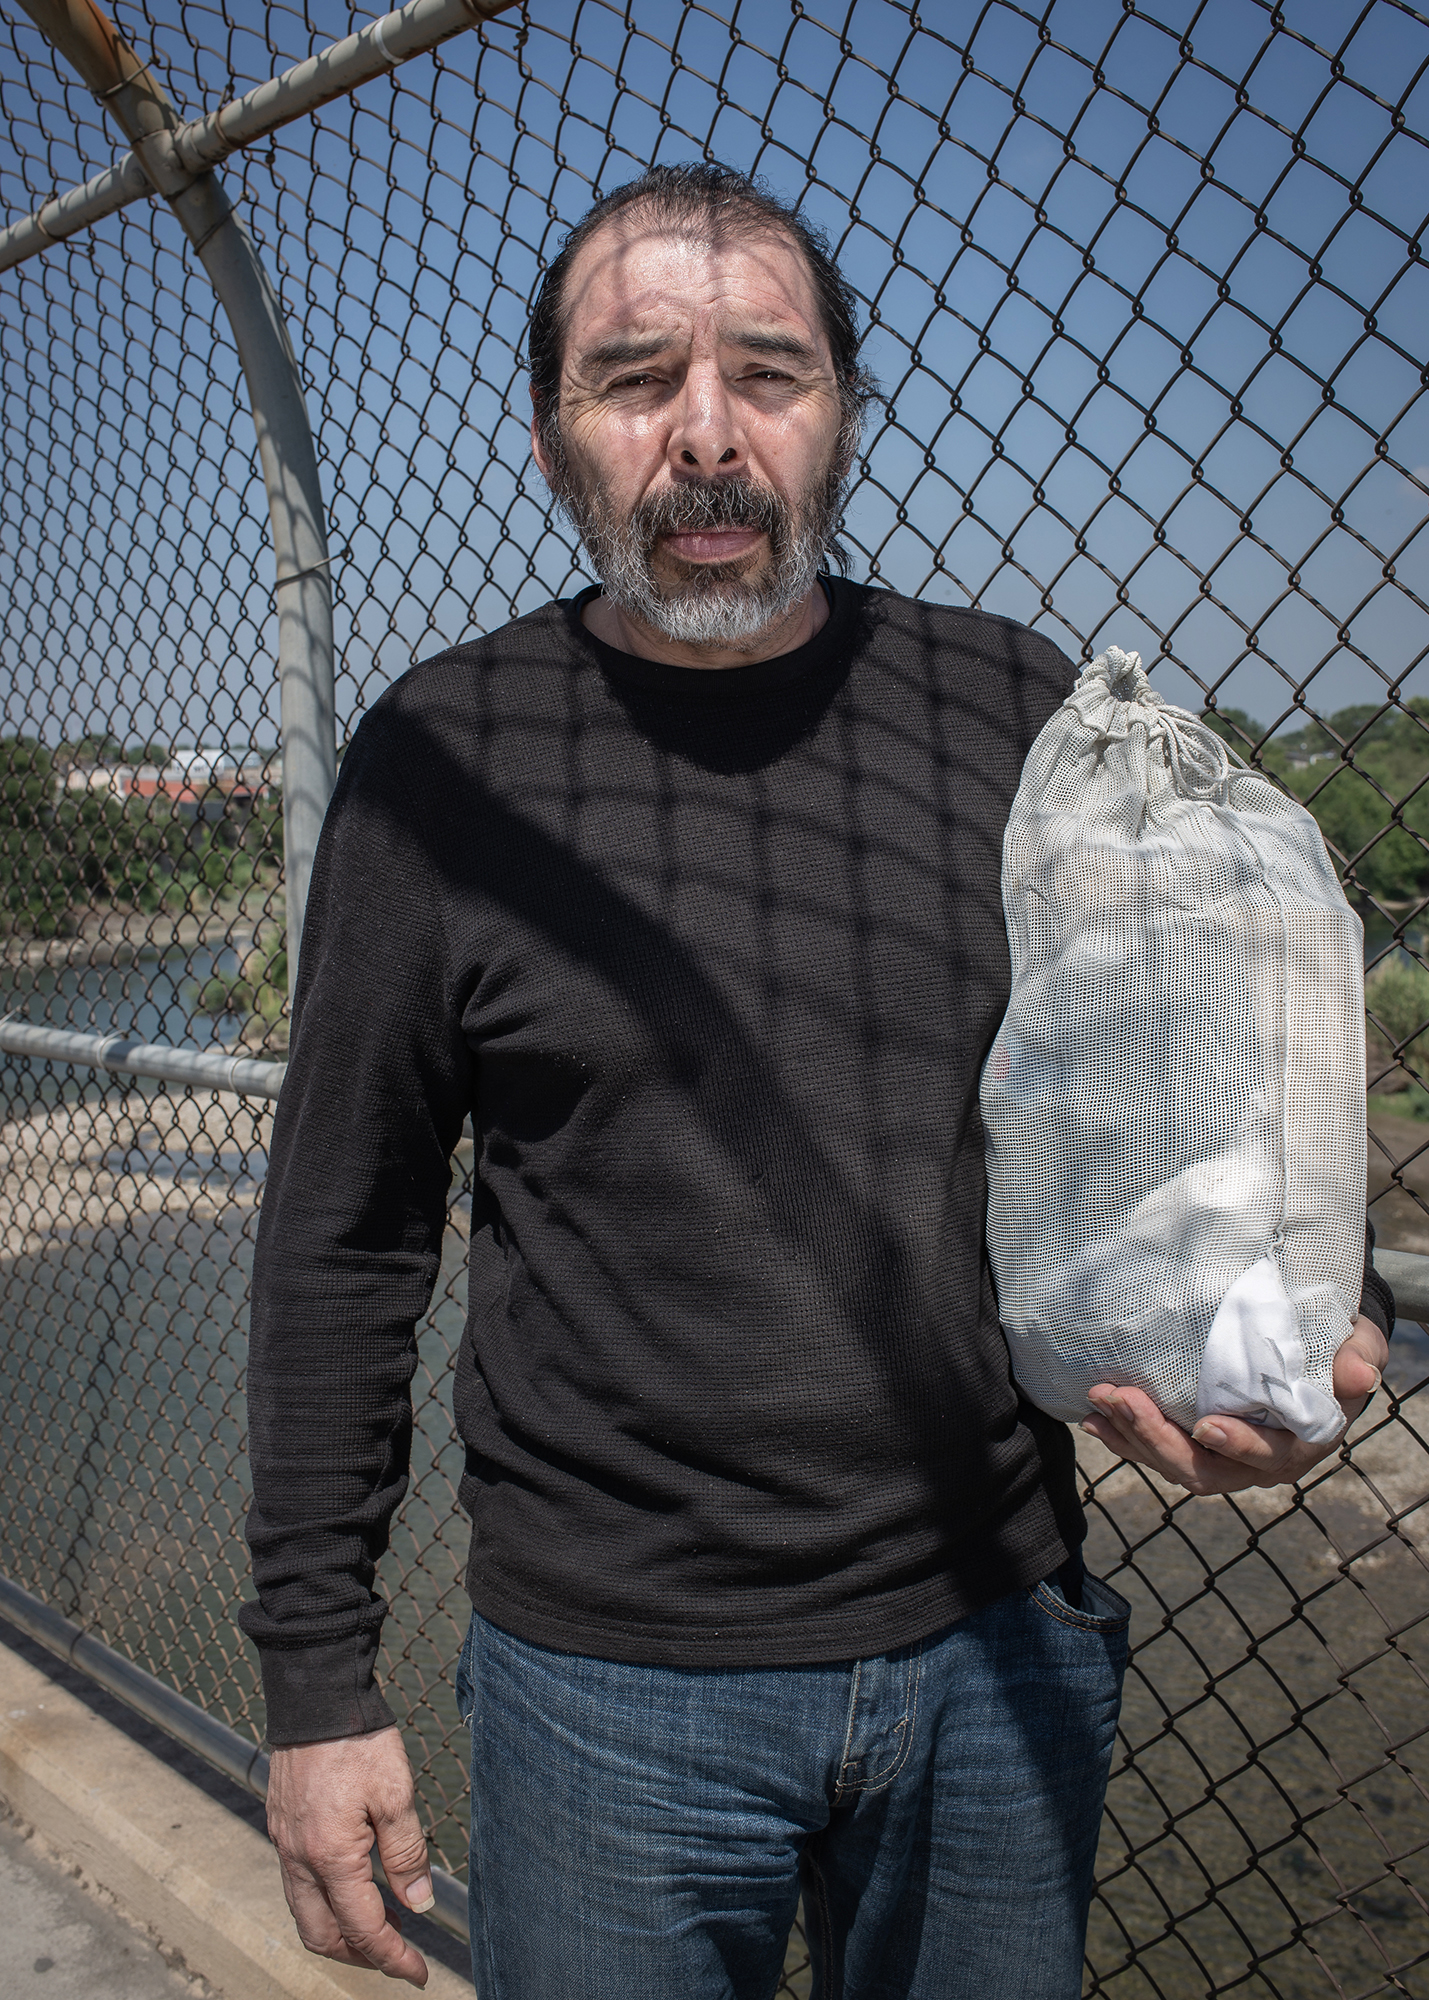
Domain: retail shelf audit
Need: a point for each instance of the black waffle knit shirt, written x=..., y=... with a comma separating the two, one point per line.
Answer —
x=712, y=960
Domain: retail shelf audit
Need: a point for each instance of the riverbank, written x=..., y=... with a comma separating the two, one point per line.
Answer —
x=182, y=978
x=119, y=937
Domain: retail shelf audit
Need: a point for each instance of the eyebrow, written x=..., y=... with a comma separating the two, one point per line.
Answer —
x=784, y=346
x=624, y=352
x=628, y=351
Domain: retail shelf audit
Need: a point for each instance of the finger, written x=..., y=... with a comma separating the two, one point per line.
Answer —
x=1366, y=1345
x=1130, y=1423
x=1139, y=1423
x=367, y=1930
x=1199, y=1472
x=1359, y=1362
x=340, y=1915
x=1125, y=1447
x=402, y=1849
x=1264, y=1450
x=1223, y=1455
x=313, y=1915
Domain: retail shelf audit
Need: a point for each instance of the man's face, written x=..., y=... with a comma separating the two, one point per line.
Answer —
x=700, y=416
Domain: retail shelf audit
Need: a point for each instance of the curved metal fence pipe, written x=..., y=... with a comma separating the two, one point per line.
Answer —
x=133, y=97
x=409, y=31
x=303, y=589
x=178, y=162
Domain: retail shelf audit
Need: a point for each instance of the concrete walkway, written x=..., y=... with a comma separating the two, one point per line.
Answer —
x=63, y=1941
x=166, y=1853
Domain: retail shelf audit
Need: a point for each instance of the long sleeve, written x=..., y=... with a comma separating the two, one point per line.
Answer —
x=726, y=952
x=349, y=1243
x=1377, y=1300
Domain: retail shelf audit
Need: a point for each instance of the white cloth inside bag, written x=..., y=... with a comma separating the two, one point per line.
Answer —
x=1174, y=1106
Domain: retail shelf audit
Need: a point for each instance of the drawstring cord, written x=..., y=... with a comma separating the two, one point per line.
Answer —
x=1200, y=762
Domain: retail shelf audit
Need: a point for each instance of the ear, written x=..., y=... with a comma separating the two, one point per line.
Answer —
x=538, y=449
x=850, y=443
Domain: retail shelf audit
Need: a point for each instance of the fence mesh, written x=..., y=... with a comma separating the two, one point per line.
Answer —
x=1145, y=288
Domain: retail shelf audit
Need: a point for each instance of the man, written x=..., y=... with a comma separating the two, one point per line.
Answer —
x=688, y=891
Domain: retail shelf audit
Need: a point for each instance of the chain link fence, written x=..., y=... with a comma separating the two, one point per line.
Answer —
x=1145, y=288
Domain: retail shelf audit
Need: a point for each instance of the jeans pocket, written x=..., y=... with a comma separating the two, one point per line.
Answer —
x=1102, y=1609
x=465, y=1675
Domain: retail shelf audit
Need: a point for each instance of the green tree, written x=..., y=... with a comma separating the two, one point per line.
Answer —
x=64, y=852
x=256, y=996
x=1356, y=791
x=1236, y=727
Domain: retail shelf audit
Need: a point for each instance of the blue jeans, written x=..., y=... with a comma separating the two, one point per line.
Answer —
x=643, y=1833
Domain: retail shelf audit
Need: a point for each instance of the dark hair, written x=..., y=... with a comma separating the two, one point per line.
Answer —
x=719, y=200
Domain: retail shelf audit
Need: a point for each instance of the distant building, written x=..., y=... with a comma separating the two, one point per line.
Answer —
x=193, y=780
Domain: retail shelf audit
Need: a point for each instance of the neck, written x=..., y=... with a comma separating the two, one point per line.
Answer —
x=629, y=633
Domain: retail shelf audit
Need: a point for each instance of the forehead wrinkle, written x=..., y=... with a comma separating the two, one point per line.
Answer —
x=622, y=238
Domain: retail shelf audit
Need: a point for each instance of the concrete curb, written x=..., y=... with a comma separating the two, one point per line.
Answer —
x=206, y=1883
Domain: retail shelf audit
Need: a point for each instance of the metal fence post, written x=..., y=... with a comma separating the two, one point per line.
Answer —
x=303, y=589
x=136, y=101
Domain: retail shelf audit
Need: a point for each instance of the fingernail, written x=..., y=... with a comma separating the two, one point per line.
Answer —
x=1378, y=1378
x=1210, y=1435
x=419, y=1895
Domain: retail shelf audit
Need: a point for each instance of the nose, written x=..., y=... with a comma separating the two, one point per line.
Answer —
x=706, y=435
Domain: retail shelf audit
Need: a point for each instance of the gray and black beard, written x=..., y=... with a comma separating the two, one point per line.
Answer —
x=712, y=604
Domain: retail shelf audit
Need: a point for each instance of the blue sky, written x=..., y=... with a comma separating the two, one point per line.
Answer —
x=1109, y=261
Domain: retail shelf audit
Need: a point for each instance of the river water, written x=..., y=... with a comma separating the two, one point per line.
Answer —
x=153, y=996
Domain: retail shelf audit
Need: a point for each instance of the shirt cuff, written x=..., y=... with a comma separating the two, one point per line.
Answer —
x=1377, y=1299
x=315, y=1693
x=1377, y=1302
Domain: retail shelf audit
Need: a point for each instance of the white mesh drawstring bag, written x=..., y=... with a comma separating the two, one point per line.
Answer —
x=1174, y=1106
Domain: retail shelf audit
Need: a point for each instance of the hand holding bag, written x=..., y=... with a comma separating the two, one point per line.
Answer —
x=1174, y=1106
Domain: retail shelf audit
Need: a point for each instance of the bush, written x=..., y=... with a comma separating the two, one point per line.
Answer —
x=1391, y=757
x=64, y=853
x=1397, y=995
x=256, y=996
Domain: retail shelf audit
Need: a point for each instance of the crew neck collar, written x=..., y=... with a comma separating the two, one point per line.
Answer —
x=723, y=683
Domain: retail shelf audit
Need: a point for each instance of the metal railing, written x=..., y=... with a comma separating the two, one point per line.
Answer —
x=1145, y=290
x=217, y=1070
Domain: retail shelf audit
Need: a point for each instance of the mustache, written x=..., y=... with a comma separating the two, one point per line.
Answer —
x=705, y=504
x=716, y=602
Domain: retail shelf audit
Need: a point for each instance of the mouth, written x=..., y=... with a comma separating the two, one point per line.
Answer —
x=712, y=545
